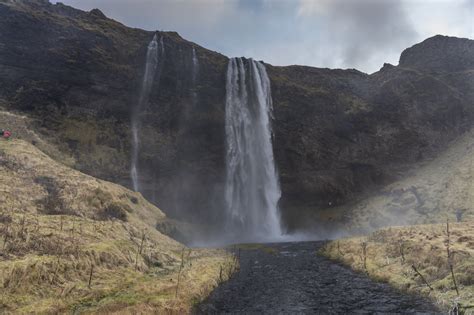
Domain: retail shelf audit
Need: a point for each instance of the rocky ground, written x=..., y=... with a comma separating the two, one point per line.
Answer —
x=291, y=278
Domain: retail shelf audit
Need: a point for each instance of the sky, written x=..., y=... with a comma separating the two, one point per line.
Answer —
x=360, y=34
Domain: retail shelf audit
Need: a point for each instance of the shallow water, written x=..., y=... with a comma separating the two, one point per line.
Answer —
x=289, y=278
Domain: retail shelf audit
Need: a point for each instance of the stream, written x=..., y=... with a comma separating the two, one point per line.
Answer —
x=290, y=278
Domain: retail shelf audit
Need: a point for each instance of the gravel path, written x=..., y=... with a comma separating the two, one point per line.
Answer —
x=290, y=278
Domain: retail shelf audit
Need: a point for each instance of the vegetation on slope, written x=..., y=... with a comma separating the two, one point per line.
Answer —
x=415, y=259
x=71, y=242
x=429, y=192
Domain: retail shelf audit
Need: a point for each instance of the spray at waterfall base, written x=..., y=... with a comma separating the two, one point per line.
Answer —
x=251, y=189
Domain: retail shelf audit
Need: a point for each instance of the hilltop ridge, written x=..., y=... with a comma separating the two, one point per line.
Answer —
x=440, y=54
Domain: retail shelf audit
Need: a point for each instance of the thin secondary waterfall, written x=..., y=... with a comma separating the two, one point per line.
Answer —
x=252, y=188
x=162, y=46
x=195, y=71
x=195, y=66
x=150, y=70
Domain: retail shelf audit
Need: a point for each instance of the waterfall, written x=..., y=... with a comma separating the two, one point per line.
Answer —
x=252, y=189
x=194, y=74
x=147, y=82
x=162, y=46
x=195, y=67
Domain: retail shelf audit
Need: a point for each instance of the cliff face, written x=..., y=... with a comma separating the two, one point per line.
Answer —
x=440, y=54
x=79, y=74
x=337, y=132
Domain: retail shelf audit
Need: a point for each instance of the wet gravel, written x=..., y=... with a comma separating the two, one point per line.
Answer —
x=292, y=279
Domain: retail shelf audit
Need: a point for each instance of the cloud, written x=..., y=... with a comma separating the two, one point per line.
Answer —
x=164, y=14
x=360, y=34
x=447, y=17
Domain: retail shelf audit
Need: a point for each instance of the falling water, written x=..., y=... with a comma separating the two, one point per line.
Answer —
x=195, y=66
x=252, y=189
x=162, y=46
x=150, y=70
x=194, y=74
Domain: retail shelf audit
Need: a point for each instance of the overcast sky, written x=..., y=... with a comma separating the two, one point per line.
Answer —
x=361, y=34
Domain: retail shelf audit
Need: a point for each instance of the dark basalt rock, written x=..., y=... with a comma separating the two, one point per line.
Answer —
x=97, y=13
x=338, y=132
x=440, y=54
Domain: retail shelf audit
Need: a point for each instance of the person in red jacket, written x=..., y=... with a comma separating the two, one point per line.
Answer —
x=5, y=134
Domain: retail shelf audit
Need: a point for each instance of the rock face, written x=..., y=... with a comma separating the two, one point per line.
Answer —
x=440, y=54
x=79, y=74
x=338, y=133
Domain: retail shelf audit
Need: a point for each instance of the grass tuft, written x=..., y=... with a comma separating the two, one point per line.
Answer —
x=415, y=259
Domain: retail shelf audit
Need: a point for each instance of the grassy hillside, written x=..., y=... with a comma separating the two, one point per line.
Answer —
x=429, y=192
x=415, y=259
x=433, y=192
x=71, y=242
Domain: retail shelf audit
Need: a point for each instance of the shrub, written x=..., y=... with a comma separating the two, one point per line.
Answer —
x=134, y=200
x=5, y=219
x=113, y=211
x=52, y=203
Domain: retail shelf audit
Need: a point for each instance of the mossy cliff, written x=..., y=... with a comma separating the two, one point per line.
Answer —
x=338, y=133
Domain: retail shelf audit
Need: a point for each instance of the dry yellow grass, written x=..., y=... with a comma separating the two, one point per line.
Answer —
x=58, y=225
x=392, y=252
x=21, y=126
